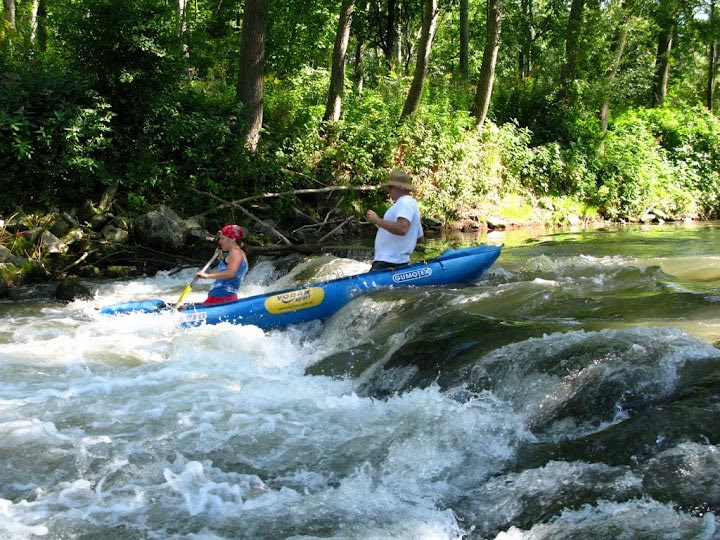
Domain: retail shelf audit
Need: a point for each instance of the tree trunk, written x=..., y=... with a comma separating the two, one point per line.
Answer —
x=250, y=86
x=398, y=35
x=181, y=26
x=712, y=75
x=568, y=71
x=464, y=38
x=430, y=17
x=181, y=12
x=41, y=32
x=337, y=74
x=712, y=59
x=662, y=68
x=390, y=41
x=617, y=50
x=9, y=9
x=359, y=73
x=481, y=104
x=526, y=38
x=666, y=16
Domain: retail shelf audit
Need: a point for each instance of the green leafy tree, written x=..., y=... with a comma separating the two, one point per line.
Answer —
x=128, y=48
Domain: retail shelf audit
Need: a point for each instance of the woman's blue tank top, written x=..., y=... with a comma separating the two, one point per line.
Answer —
x=227, y=287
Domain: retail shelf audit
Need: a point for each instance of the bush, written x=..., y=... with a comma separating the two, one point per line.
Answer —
x=550, y=118
x=691, y=138
x=636, y=177
x=58, y=132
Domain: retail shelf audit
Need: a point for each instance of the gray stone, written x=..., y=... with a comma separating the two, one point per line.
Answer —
x=33, y=234
x=196, y=233
x=51, y=243
x=496, y=223
x=115, y=234
x=71, y=289
x=58, y=226
x=160, y=229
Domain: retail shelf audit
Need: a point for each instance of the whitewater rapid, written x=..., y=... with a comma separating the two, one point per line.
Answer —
x=504, y=410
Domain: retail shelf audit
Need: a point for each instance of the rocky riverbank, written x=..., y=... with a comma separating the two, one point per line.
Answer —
x=63, y=246
x=67, y=248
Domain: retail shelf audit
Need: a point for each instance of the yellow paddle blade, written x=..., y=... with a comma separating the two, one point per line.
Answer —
x=188, y=287
x=217, y=253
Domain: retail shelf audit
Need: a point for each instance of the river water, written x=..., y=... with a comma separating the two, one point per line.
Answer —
x=572, y=393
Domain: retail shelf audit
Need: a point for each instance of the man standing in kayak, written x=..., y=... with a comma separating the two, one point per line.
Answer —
x=400, y=228
x=232, y=268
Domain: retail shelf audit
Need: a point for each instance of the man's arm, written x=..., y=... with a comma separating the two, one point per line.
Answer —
x=399, y=227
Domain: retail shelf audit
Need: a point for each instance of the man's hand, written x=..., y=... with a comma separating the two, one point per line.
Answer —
x=372, y=216
x=399, y=227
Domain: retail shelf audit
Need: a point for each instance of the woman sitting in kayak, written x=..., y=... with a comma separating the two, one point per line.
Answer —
x=232, y=268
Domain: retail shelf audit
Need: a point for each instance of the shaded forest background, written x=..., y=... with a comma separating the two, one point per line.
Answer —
x=578, y=109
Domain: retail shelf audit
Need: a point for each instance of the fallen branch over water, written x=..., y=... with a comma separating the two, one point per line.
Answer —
x=301, y=248
x=238, y=202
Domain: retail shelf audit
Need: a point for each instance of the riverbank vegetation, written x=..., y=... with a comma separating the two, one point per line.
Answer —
x=535, y=111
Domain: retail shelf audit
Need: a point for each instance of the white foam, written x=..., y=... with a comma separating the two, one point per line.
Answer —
x=131, y=422
x=12, y=528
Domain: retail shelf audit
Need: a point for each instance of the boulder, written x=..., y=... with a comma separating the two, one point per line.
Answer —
x=91, y=215
x=7, y=256
x=115, y=234
x=108, y=197
x=495, y=223
x=59, y=223
x=8, y=275
x=196, y=234
x=160, y=229
x=574, y=221
x=87, y=211
x=99, y=220
x=33, y=271
x=51, y=243
x=32, y=234
x=71, y=289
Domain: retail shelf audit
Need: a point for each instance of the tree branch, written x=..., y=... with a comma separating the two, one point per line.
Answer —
x=239, y=202
x=335, y=229
x=73, y=264
x=235, y=204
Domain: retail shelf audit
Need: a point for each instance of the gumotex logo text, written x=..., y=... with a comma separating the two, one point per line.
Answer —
x=420, y=273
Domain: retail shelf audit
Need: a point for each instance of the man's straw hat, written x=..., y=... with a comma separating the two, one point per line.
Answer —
x=400, y=180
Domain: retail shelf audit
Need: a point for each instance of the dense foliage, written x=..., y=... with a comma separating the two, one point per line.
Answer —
x=127, y=93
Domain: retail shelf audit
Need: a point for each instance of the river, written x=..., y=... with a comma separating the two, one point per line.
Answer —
x=571, y=393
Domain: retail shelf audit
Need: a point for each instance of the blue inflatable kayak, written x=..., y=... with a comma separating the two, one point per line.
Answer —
x=320, y=300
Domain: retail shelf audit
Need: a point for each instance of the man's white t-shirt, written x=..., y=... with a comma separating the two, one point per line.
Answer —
x=394, y=248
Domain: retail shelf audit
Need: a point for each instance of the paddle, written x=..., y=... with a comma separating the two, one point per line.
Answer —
x=189, y=286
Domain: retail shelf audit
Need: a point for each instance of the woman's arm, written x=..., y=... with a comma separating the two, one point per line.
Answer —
x=234, y=260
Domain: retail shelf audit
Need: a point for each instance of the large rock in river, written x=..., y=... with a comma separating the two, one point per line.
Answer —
x=71, y=289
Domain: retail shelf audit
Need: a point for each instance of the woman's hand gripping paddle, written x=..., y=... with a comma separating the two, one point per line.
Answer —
x=189, y=286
